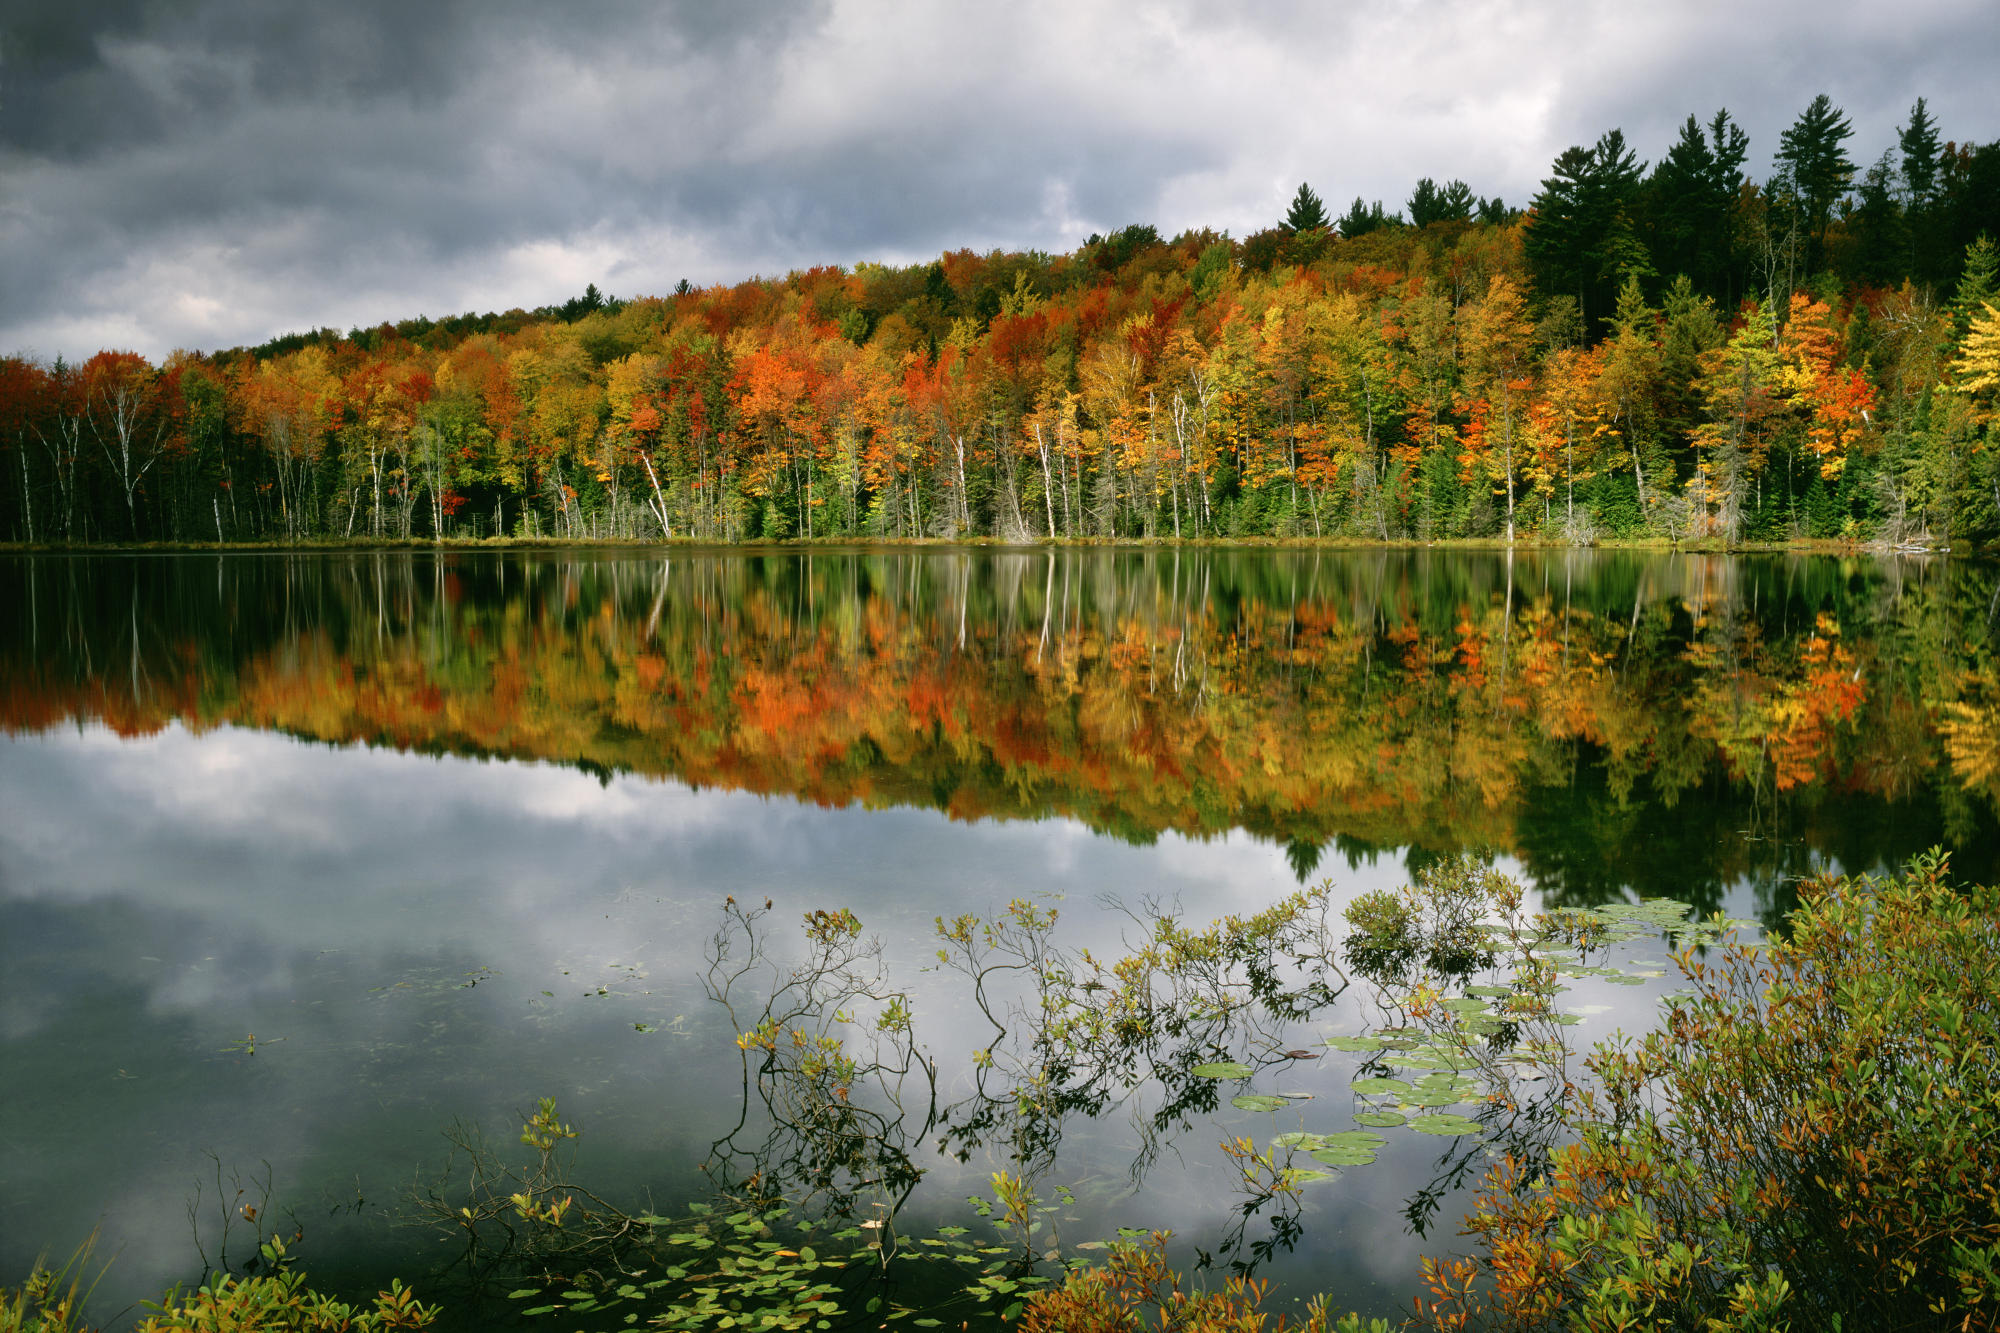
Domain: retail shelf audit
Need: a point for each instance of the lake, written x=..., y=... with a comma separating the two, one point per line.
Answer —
x=318, y=869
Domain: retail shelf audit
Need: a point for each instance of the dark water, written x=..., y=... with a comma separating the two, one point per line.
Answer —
x=305, y=859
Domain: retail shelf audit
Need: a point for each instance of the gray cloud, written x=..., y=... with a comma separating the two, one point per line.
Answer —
x=209, y=172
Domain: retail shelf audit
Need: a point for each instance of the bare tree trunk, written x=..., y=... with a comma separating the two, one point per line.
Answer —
x=659, y=500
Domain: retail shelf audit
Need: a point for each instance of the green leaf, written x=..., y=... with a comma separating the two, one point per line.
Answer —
x=1343, y=1156
x=1355, y=1043
x=525, y=1291
x=1251, y=1101
x=1444, y=1124
x=1222, y=1069
x=1374, y=1085
x=1380, y=1119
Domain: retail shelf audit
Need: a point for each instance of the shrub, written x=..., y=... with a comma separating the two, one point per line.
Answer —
x=278, y=1301
x=1807, y=1142
x=1135, y=1290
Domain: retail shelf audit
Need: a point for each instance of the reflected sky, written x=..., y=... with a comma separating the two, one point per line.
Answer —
x=414, y=939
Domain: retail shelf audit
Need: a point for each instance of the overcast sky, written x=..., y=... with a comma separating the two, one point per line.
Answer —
x=208, y=173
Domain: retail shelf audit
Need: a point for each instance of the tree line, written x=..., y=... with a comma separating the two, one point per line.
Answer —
x=1679, y=351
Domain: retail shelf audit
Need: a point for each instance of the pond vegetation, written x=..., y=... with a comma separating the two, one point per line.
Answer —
x=1804, y=1140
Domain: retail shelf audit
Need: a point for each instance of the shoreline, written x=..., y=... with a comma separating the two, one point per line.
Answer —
x=1797, y=546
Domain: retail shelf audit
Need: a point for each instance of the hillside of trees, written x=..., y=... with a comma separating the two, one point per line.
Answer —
x=1674, y=350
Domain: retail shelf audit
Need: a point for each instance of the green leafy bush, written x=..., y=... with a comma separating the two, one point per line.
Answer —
x=277, y=1301
x=1806, y=1142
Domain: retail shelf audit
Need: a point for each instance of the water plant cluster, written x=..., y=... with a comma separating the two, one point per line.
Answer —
x=1804, y=1139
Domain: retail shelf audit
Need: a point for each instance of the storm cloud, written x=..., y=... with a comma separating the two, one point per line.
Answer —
x=203, y=173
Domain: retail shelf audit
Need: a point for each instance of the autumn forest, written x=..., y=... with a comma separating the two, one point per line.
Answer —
x=1677, y=351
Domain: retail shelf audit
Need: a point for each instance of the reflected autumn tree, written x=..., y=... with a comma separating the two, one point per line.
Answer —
x=1615, y=722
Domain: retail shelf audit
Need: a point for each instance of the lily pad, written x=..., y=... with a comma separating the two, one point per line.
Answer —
x=1380, y=1119
x=1353, y=1138
x=1222, y=1069
x=1444, y=1124
x=1414, y=1062
x=1336, y=1156
x=1305, y=1175
x=1252, y=1101
x=1433, y=1100
x=1374, y=1085
x=1354, y=1043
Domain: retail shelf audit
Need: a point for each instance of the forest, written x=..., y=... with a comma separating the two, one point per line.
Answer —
x=1669, y=351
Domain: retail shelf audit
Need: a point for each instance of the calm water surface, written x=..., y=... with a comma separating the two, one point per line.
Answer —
x=305, y=859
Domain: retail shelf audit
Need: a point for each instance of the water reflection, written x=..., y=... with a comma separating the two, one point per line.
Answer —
x=1665, y=724
x=254, y=795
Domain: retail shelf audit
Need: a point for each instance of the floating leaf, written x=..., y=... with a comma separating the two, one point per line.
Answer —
x=1380, y=1119
x=1375, y=1085
x=1222, y=1069
x=1414, y=1062
x=1337, y=1156
x=1356, y=1043
x=1302, y=1175
x=1444, y=1124
x=1254, y=1101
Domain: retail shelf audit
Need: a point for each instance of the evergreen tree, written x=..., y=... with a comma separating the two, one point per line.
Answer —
x=1919, y=142
x=1881, y=246
x=1431, y=202
x=1816, y=170
x=1968, y=198
x=1307, y=213
x=1921, y=162
x=1363, y=218
x=1978, y=284
x=1691, y=203
x=1581, y=240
